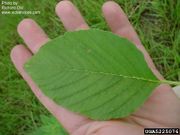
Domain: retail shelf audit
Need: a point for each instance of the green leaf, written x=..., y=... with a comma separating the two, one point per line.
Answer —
x=50, y=126
x=94, y=73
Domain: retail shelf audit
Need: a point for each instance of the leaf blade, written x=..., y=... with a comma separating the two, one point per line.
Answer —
x=86, y=66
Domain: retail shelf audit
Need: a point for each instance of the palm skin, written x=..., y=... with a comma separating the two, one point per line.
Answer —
x=162, y=109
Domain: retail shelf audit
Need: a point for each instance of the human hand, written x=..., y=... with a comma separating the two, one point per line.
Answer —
x=160, y=110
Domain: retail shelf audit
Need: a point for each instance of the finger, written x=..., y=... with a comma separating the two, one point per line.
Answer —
x=70, y=16
x=20, y=55
x=119, y=24
x=32, y=34
x=118, y=21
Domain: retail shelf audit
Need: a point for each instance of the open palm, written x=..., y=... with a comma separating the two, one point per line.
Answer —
x=160, y=110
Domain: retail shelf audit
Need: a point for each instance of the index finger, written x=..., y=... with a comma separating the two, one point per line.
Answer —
x=120, y=25
x=118, y=21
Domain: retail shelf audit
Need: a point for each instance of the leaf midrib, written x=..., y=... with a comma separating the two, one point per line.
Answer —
x=111, y=74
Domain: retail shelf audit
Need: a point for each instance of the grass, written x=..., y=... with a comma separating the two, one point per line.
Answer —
x=157, y=23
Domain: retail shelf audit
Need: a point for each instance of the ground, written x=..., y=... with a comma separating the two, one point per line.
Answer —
x=156, y=21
